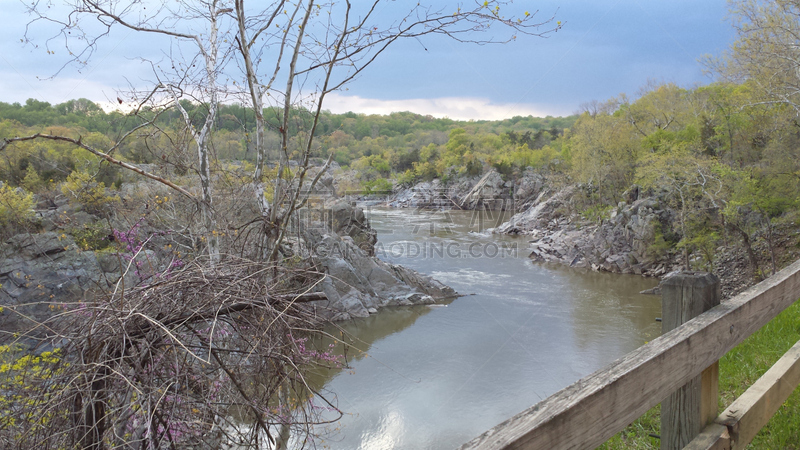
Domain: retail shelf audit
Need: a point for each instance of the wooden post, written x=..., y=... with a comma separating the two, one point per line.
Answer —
x=689, y=409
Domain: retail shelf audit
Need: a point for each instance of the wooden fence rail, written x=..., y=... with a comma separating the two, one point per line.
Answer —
x=743, y=419
x=592, y=410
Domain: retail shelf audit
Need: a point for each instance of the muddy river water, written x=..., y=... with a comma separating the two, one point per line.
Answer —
x=435, y=377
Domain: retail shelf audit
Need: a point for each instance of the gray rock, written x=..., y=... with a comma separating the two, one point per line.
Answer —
x=618, y=244
x=489, y=193
x=349, y=220
x=356, y=282
x=39, y=274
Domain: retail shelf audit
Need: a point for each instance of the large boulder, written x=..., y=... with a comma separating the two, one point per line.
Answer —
x=346, y=219
x=490, y=192
x=466, y=192
x=426, y=194
x=542, y=213
x=528, y=188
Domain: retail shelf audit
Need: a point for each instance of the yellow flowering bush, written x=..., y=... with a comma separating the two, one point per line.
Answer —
x=82, y=189
x=22, y=378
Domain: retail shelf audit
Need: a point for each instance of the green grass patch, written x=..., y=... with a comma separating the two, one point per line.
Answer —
x=597, y=213
x=738, y=370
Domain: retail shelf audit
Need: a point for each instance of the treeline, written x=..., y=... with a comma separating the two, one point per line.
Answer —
x=724, y=158
x=402, y=137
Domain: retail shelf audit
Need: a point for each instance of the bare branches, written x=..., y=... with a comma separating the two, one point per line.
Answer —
x=363, y=41
x=193, y=359
x=214, y=353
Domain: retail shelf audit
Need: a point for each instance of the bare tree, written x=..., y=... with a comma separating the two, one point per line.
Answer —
x=285, y=54
x=331, y=54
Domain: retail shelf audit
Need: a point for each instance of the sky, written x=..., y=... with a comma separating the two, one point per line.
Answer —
x=603, y=49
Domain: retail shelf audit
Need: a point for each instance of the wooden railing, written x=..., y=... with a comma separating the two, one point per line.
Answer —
x=592, y=410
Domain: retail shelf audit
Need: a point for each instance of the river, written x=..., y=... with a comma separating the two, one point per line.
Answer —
x=435, y=377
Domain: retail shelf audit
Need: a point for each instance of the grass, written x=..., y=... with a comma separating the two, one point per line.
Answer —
x=739, y=369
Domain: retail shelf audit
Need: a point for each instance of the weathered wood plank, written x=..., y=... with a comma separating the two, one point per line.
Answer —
x=761, y=401
x=688, y=410
x=745, y=417
x=713, y=437
x=589, y=412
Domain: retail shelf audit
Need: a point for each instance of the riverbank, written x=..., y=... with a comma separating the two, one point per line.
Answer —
x=77, y=257
x=640, y=235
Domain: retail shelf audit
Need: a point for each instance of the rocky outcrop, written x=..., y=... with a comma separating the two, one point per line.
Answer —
x=544, y=213
x=620, y=243
x=348, y=220
x=38, y=273
x=490, y=191
x=41, y=273
x=357, y=284
x=528, y=188
x=427, y=194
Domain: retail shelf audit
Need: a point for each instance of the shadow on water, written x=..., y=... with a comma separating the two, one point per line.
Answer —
x=352, y=339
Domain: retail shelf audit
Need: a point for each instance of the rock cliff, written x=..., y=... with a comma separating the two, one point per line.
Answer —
x=357, y=284
x=618, y=243
x=490, y=191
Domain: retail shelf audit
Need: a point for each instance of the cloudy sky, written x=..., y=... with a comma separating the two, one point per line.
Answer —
x=604, y=48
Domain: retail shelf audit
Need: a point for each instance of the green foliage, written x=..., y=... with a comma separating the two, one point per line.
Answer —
x=426, y=171
x=407, y=178
x=704, y=243
x=82, y=189
x=22, y=378
x=16, y=210
x=92, y=236
x=597, y=213
x=604, y=151
x=32, y=181
x=377, y=186
x=662, y=243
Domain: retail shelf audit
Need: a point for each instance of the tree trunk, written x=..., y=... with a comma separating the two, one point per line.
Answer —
x=751, y=256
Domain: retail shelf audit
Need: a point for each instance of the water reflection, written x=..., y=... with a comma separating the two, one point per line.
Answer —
x=353, y=339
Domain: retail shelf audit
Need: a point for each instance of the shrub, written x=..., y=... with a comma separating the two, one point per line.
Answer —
x=406, y=178
x=377, y=186
x=16, y=210
x=82, y=189
x=32, y=181
x=93, y=236
x=22, y=376
x=597, y=213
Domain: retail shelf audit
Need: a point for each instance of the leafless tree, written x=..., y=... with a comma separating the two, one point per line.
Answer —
x=284, y=54
x=193, y=358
